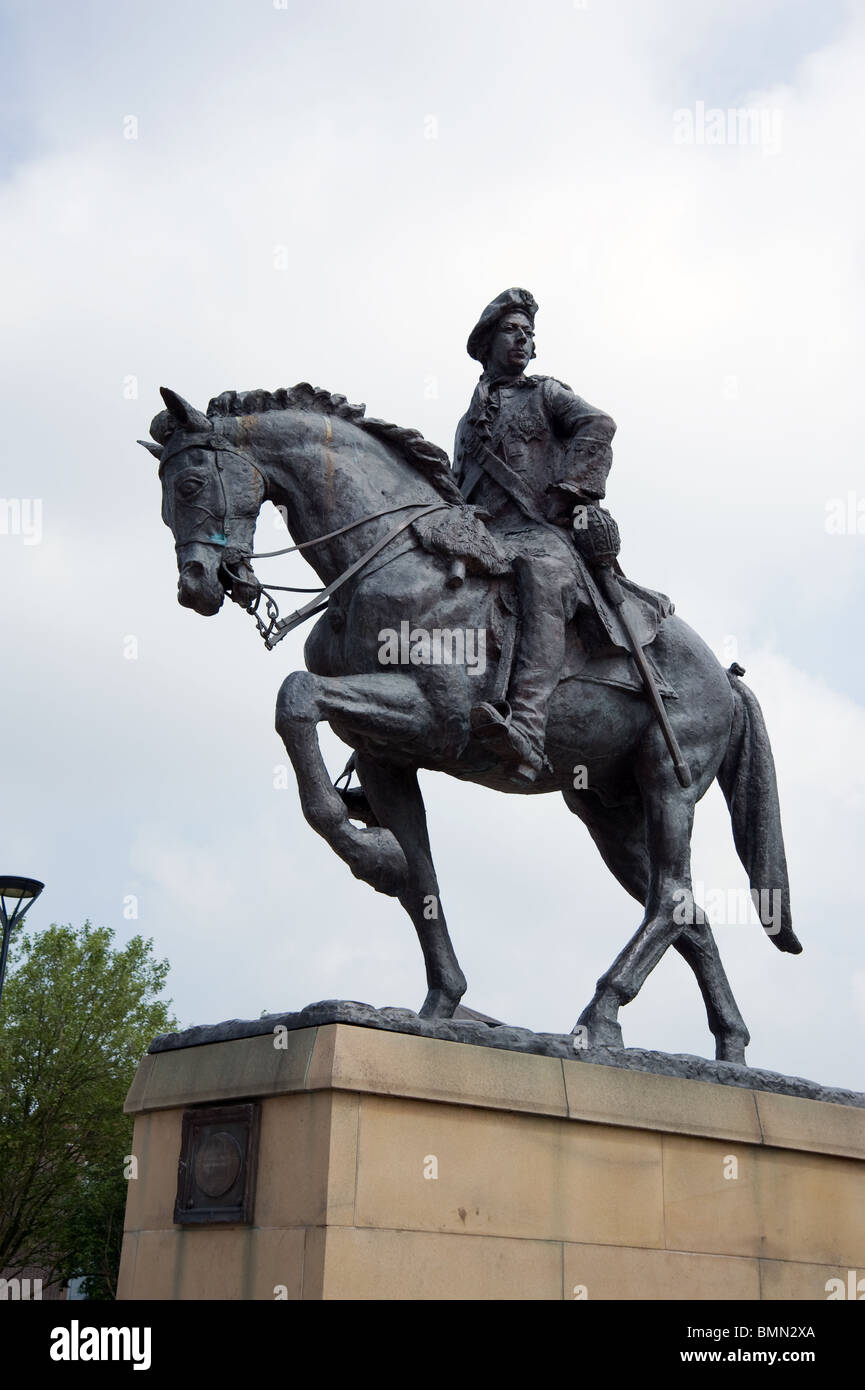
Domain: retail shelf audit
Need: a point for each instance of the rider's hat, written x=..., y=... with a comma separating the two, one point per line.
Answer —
x=504, y=303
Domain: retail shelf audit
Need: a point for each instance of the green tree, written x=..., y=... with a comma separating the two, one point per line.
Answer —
x=75, y=1020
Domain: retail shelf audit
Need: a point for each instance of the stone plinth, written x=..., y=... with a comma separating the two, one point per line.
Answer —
x=401, y=1167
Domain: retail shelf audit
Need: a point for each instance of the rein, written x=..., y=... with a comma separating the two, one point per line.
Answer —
x=275, y=628
x=272, y=627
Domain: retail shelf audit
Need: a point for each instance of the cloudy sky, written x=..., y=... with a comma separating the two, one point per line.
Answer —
x=249, y=193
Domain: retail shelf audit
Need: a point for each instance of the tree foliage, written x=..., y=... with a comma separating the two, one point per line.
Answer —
x=75, y=1018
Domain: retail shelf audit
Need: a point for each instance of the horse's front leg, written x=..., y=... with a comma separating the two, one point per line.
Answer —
x=395, y=797
x=389, y=706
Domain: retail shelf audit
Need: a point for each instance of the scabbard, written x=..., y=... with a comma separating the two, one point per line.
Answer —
x=615, y=596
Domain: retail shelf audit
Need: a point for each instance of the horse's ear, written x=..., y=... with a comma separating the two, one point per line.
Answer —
x=154, y=449
x=185, y=413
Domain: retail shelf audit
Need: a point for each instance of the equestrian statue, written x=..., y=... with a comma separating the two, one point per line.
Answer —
x=475, y=621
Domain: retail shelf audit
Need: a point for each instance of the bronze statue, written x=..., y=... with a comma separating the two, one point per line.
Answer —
x=526, y=447
x=535, y=458
x=411, y=659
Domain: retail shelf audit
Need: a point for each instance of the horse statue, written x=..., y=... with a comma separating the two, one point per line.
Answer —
x=402, y=560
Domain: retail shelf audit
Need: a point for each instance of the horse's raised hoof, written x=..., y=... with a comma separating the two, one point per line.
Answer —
x=439, y=1004
x=382, y=863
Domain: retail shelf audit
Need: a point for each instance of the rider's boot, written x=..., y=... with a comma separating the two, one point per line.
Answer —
x=492, y=722
x=517, y=727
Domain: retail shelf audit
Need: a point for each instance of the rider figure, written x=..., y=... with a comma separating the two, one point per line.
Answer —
x=527, y=452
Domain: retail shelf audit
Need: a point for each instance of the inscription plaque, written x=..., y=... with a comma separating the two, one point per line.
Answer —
x=217, y=1168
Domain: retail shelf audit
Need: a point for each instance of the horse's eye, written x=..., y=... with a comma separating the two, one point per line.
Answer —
x=189, y=487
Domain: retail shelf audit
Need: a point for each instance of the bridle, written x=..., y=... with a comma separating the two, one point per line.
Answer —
x=272, y=628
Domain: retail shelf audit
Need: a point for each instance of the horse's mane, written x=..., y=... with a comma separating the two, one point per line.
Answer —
x=419, y=452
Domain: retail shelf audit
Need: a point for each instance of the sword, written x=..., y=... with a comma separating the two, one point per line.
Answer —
x=615, y=596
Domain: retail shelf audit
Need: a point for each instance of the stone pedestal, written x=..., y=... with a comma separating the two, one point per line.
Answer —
x=399, y=1167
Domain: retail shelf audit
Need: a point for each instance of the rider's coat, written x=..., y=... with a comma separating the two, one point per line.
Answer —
x=522, y=435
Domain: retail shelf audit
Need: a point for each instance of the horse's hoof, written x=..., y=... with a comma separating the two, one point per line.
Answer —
x=730, y=1050
x=600, y=1032
x=438, y=1004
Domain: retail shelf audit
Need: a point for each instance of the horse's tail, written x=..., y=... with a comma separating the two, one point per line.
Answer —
x=747, y=778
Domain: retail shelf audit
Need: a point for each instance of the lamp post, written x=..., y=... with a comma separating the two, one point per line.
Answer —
x=23, y=892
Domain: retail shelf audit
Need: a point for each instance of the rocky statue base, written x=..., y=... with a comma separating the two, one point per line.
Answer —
x=328, y=1160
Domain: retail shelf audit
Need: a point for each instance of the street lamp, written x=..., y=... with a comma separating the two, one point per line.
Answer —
x=22, y=892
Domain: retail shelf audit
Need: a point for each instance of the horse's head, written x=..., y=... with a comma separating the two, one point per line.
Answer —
x=211, y=496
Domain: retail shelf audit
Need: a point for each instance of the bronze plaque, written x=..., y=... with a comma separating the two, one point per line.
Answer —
x=218, y=1163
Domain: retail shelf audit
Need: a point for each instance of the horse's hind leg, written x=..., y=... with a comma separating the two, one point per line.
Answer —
x=395, y=797
x=620, y=835
x=698, y=947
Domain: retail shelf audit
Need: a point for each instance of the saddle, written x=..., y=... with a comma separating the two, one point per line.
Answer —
x=597, y=647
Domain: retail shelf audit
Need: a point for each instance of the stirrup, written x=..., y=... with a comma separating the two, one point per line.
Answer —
x=530, y=768
x=492, y=722
x=490, y=719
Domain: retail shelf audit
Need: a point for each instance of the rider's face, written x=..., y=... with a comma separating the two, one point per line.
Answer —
x=511, y=346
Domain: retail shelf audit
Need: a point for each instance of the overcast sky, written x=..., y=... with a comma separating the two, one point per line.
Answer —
x=240, y=194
